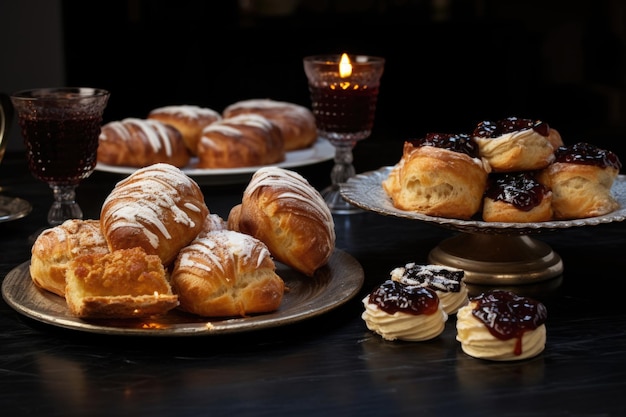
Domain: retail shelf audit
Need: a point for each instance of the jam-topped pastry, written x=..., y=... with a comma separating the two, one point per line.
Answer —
x=516, y=198
x=447, y=283
x=397, y=311
x=458, y=142
x=581, y=178
x=587, y=154
x=502, y=326
x=516, y=144
x=438, y=175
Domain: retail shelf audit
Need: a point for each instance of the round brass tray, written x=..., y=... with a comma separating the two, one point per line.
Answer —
x=490, y=253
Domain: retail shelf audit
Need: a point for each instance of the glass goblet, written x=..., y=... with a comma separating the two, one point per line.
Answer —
x=344, y=92
x=11, y=208
x=60, y=127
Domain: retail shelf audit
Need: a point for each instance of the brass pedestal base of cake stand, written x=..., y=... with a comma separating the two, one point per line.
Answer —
x=497, y=259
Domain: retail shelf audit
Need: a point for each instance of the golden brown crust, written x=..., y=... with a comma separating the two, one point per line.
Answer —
x=522, y=150
x=158, y=208
x=240, y=141
x=579, y=190
x=126, y=283
x=296, y=122
x=139, y=143
x=437, y=182
x=57, y=246
x=188, y=119
x=280, y=208
x=226, y=273
x=501, y=211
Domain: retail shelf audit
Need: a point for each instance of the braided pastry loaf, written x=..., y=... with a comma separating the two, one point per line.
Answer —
x=157, y=208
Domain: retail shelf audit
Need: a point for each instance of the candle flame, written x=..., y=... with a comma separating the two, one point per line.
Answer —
x=345, y=67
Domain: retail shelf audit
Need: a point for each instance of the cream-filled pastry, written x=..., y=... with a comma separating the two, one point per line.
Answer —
x=397, y=311
x=447, y=282
x=501, y=326
x=516, y=144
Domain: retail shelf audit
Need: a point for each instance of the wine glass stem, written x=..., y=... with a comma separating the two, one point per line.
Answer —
x=343, y=168
x=65, y=206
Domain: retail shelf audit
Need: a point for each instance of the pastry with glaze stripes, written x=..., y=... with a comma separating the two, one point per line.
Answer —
x=297, y=123
x=280, y=208
x=226, y=273
x=158, y=208
x=139, y=143
x=189, y=120
x=240, y=141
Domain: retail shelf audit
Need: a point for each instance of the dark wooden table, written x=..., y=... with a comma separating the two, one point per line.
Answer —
x=330, y=364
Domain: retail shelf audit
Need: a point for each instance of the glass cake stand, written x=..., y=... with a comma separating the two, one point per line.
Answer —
x=490, y=253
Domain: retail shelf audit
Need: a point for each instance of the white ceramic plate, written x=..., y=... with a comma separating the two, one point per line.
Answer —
x=307, y=297
x=366, y=191
x=321, y=151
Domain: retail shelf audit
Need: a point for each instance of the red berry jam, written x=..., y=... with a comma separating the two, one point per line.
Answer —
x=588, y=154
x=457, y=142
x=520, y=189
x=507, y=315
x=491, y=129
x=392, y=297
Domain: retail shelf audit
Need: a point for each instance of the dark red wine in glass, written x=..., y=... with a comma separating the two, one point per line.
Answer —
x=60, y=127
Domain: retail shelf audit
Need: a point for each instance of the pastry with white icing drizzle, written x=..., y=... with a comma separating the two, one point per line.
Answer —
x=297, y=123
x=190, y=120
x=280, y=208
x=226, y=273
x=158, y=208
x=240, y=141
x=139, y=143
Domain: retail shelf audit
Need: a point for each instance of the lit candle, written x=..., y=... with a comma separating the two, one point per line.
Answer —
x=344, y=93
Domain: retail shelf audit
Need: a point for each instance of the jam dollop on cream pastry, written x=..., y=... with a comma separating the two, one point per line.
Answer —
x=516, y=197
x=516, y=144
x=581, y=178
x=440, y=174
x=447, y=283
x=499, y=325
x=397, y=311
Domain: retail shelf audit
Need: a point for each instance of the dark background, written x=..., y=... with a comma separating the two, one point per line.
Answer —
x=450, y=63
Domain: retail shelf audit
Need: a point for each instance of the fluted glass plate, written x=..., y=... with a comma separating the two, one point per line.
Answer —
x=321, y=151
x=365, y=191
x=306, y=297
